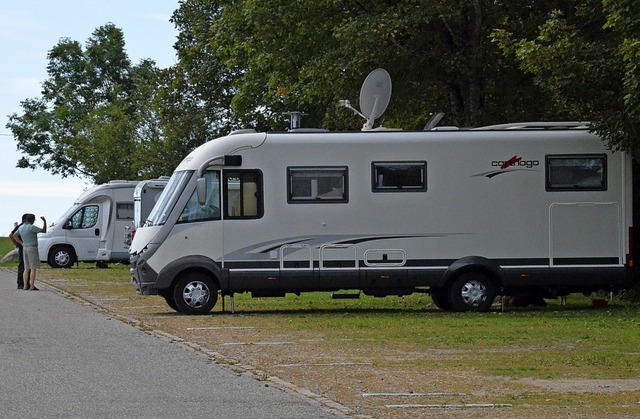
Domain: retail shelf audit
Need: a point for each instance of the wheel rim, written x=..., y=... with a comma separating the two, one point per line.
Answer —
x=62, y=258
x=196, y=294
x=474, y=293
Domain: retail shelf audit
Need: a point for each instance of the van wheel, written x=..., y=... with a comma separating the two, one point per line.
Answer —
x=440, y=298
x=167, y=294
x=472, y=291
x=195, y=294
x=61, y=257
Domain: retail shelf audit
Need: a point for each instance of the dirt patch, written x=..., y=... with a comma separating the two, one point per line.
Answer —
x=585, y=386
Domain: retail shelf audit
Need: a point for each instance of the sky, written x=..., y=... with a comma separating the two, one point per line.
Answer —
x=29, y=29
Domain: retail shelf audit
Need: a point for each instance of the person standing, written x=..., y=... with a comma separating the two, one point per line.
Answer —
x=20, y=253
x=27, y=236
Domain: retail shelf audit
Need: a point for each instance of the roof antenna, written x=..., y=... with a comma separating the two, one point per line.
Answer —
x=295, y=119
x=374, y=97
x=433, y=121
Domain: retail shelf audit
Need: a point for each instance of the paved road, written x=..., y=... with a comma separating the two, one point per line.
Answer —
x=60, y=359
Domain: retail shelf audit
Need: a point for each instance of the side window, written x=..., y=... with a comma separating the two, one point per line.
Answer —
x=124, y=210
x=317, y=185
x=243, y=192
x=86, y=217
x=399, y=176
x=576, y=172
x=193, y=211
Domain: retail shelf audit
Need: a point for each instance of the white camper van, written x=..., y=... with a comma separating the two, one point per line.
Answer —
x=464, y=215
x=92, y=229
x=145, y=197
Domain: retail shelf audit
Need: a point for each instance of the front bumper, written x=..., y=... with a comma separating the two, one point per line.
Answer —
x=143, y=277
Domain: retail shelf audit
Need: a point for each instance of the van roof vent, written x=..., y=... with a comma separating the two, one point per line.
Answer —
x=307, y=130
x=537, y=125
x=243, y=131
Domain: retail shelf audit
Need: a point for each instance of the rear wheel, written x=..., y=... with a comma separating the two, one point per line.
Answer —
x=61, y=257
x=472, y=291
x=195, y=293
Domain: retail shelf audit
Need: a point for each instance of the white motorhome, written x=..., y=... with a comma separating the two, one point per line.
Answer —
x=464, y=215
x=145, y=197
x=92, y=229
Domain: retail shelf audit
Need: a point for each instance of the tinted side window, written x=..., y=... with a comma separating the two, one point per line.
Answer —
x=399, y=176
x=317, y=184
x=576, y=172
x=124, y=210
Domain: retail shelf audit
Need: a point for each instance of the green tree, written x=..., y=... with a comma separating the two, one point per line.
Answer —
x=587, y=59
x=202, y=82
x=271, y=57
x=97, y=116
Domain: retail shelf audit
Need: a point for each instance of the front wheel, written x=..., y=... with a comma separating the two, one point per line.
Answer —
x=472, y=291
x=61, y=257
x=195, y=294
x=167, y=294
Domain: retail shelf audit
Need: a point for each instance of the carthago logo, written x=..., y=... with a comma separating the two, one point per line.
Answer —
x=515, y=163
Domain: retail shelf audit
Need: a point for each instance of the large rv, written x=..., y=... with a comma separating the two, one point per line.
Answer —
x=91, y=230
x=464, y=215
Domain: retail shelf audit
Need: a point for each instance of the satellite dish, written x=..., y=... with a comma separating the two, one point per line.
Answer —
x=375, y=95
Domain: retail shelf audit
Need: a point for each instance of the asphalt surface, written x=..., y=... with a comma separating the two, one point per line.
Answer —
x=62, y=359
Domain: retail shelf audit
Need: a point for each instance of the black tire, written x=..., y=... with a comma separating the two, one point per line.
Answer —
x=195, y=294
x=472, y=291
x=440, y=298
x=167, y=294
x=61, y=257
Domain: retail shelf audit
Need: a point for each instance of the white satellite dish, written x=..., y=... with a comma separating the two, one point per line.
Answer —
x=374, y=97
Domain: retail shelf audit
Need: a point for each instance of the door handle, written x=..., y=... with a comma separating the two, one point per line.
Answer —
x=97, y=231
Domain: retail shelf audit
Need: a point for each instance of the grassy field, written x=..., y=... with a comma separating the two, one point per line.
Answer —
x=401, y=357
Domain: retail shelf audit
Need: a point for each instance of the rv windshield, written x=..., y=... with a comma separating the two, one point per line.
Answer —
x=168, y=198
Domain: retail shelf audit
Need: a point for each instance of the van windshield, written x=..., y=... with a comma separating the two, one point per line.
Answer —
x=168, y=198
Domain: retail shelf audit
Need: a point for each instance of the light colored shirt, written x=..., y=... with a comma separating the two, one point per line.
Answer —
x=28, y=234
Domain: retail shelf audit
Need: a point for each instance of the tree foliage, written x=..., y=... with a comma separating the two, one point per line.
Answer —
x=280, y=57
x=97, y=117
x=586, y=57
x=243, y=63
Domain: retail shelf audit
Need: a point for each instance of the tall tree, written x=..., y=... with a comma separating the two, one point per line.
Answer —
x=202, y=82
x=96, y=113
x=272, y=56
x=586, y=56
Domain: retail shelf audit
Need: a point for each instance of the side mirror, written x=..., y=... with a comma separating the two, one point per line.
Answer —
x=67, y=225
x=201, y=190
